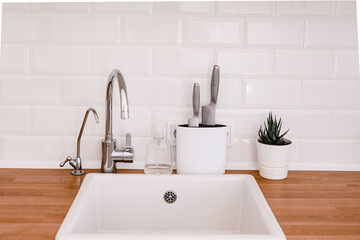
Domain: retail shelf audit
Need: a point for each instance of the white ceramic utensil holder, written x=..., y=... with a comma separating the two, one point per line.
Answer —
x=201, y=150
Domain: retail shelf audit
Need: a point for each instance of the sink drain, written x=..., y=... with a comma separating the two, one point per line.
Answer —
x=170, y=196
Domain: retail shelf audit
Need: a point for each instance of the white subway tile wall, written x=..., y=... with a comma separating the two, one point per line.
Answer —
x=44, y=148
x=245, y=62
x=57, y=121
x=72, y=91
x=14, y=59
x=331, y=94
x=346, y=64
x=26, y=90
x=245, y=7
x=14, y=120
x=305, y=8
x=66, y=8
x=200, y=31
x=329, y=151
x=30, y=29
x=345, y=9
x=184, y=8
x=154, y=30
x=135, y=61
x=275, y=32
x=180, y=62
x=92, y=30
x=16, y=7
x=302, y=63
x=265, y=93
x=298, y=59
x=345, y=123
x=122, y=8
x=60, y=60
x=322, y=33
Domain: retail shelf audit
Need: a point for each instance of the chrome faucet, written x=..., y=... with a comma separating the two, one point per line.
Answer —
x=110, y=154
x=76, y=162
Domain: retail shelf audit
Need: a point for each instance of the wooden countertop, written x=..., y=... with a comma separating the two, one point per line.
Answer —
x=308, y=205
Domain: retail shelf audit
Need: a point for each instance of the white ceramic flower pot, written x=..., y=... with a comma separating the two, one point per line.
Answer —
x=201, y=150
x=273, y=161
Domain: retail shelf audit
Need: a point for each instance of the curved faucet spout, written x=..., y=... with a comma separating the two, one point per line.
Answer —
x=115, y=75
x=76, y=163
x=110, y=153
x=82, y=128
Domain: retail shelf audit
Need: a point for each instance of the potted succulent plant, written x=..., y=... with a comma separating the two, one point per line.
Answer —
x=273, y=149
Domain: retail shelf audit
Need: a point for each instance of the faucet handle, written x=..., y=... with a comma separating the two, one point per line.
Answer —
x=75, y=163
x=128, y=140
x=68, y=159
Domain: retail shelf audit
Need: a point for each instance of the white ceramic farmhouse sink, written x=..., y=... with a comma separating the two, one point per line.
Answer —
x=133, y=206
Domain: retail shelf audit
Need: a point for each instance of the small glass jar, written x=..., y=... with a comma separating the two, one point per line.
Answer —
x=158, y=157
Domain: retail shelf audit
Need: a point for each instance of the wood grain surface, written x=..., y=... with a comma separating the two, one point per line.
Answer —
x=308, y=205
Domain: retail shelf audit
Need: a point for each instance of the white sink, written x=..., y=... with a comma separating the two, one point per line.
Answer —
x=132, y=206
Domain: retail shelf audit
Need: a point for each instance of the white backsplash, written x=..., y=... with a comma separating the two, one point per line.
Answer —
x=298, y=59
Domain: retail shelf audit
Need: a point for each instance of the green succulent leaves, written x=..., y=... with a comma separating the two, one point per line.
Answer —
x=271, y=132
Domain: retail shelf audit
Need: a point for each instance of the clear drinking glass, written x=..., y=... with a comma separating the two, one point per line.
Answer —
x=158, y=157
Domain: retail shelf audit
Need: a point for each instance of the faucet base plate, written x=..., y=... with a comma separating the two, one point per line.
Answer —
x=78, y=173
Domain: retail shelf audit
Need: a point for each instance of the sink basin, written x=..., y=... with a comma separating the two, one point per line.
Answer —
x=138, y=206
